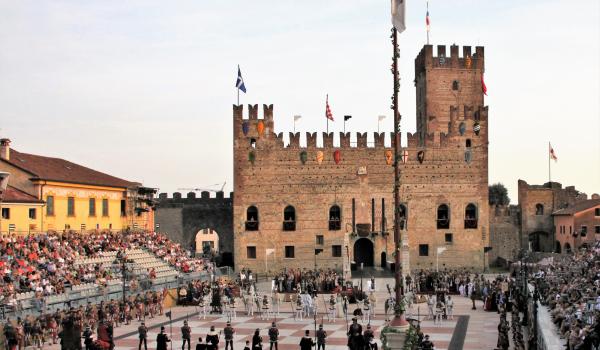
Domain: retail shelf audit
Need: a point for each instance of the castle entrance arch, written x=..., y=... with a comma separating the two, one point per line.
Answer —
x=363, y=252
x=537, y=241
x=207, y=242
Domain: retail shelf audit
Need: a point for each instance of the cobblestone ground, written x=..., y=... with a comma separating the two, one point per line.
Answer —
x=470, y=329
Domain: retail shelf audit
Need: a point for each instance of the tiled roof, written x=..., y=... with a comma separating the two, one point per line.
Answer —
x=56, y=169
x=14, y=195
x=577, y=207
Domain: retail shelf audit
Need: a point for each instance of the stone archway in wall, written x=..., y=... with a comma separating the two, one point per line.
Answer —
x=364, y=252
x=206, y=241
x=538, y=241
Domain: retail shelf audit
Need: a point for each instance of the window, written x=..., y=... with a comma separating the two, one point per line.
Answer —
x=50, y=205
x=289, y=251
x=252, y=218
x=289, y=218
x=253, y=143
x=468, y=143
x=539, y=209
x=92, y=210
x=423, y=249
x=455, y=85
x=82, y=227
x=443, y=217
x=335, y=215
x=6, y=213
x=583, y=231
x=104, y=207
x=597, y=212
x=320, y=240
x=70, y=206
x=448, y=238
x=403, y=216
x=597, y=229
x=67, y=227
x=471, y=216
x=123, y=207
x=32, y=213
x=251, y=252
x=336, y=250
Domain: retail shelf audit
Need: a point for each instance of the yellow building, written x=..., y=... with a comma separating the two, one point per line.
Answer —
x=76, y=198
x=21, y=212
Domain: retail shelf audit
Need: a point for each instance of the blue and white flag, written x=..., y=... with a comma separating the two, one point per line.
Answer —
x=240, y=81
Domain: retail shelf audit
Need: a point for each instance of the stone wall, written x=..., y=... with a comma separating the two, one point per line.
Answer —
x=182, y=218
x=504, y=234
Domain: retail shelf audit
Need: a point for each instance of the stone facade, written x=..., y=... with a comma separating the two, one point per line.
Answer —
x=182, y=219
x=446, y=164
x=504, y=234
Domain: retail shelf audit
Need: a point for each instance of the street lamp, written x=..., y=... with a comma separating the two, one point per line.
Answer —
x=121, y=261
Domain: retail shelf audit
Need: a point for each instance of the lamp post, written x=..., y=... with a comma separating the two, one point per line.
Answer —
x=121, y=261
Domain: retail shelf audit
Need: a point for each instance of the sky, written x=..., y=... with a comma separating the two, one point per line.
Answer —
x=144, y=90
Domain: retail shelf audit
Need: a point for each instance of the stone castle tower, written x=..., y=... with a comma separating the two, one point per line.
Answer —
x=332, y=206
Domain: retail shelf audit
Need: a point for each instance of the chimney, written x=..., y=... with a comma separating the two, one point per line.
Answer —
x=5, y=149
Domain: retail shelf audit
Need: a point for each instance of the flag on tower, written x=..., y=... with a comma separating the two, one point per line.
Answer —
x=398, y=14
x=427, y=22
x=328, y=113
x=552, y=154
x=347, y=117
x=240, y=81
x=483, y=87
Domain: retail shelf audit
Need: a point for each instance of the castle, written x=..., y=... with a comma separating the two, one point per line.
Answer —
x=332, y=206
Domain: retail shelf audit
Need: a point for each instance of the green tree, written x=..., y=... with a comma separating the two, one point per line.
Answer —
x=498, y=194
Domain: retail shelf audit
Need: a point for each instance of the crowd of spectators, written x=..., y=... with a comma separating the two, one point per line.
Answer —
x=46, y=264
x=319, y=280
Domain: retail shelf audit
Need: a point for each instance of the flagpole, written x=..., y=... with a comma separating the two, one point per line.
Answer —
x=326, y=116
x=399, y=319
x=427, y=24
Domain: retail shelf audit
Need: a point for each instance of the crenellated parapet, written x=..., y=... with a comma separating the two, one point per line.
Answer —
x=468, y=60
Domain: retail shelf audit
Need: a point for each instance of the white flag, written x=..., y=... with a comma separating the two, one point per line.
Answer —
x=297, y=117
x=398, y=12
x=441, y=250
x=381, y=117
x=269, y=251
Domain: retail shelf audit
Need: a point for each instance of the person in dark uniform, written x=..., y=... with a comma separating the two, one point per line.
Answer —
x=355, y=337
x=427, y=344
x=321, y=338
x=212, y=339
x=87, y=338
x=369, y=337
x=200, y=345
x=256, y=340
x=143, y=335
x=186, y=335
x=306, y=343
x=228, y=331
x=247, y=347
x=273, y=336
x=162, y=339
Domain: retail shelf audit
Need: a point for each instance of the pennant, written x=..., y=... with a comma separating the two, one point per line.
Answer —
x=552, y=154
x=168, y=314
x=240, y=81
x=468, y=62
x=388, y=157
x=245, y=128
x=251, y=157
x=381, y=117
x=337, y=156
x=328, y=113
x=347, y=117
x=441, y=250
x=260, y=127
x=427, y=22
x=462, y=127
x=468, y=156
x=318, y=251
x=319, y=156
x=269, y=251
x=303, y=157
x=297, y=117
x=398, y=14
x=483, y=87
x=476, y=128
x=404, y=156
x=421, y=156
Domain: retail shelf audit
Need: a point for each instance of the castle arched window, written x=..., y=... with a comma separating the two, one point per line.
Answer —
x=252, y=218
x=468, y=143
x=253, y=142
x=443, y=217
x=539, y=209
x=471, y=216
x=335, y=218
x=455, y=85
x=403, y=213
x=289, y=218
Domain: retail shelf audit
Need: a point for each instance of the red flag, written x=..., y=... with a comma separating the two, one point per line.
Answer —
x=552, y=154
x=328, y=113
x=483, y=87
x=427, y=23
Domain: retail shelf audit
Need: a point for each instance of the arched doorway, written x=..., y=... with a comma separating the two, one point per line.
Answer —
x=207, y=242
x=557, y=247
x=383, y=260
x=568, y=248
x=363, y=252
x=539, y=242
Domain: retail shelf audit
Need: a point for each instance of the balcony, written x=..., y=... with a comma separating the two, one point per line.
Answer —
x=335, y=224
x=289, y=225
x=252, y=225
x=470, y=223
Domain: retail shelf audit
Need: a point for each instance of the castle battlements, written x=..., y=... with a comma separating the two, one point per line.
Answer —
x=426, y=59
